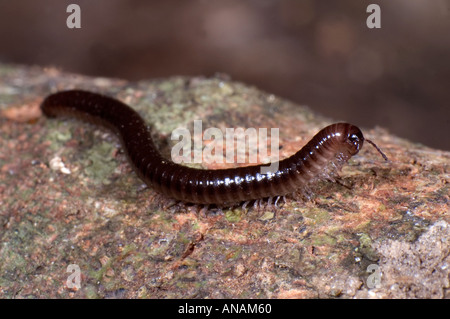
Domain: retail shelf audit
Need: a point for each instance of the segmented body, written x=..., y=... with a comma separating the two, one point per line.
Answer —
x=334, y=144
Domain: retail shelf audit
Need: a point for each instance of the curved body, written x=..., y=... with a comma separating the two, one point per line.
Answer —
x=335, y=143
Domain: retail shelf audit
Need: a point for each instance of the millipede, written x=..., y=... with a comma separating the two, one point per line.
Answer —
x=324, y=154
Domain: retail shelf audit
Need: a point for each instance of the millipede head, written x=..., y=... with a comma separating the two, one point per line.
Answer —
x=354, y=138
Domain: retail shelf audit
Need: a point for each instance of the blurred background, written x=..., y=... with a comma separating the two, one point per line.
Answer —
x=318, y=53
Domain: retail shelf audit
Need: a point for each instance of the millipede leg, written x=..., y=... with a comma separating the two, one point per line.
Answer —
x=276, y=201
x=269, y=202
x=204, y=210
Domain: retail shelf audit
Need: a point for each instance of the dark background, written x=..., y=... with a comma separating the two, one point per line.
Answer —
x=318, y=53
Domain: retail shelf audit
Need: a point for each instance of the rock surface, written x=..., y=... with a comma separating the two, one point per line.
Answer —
x=69, y=197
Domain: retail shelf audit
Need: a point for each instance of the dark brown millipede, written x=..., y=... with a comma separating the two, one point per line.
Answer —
x=327, y=151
